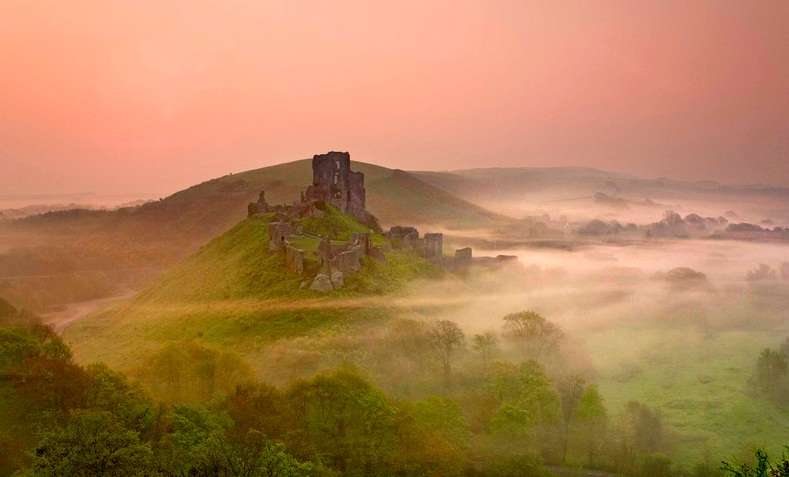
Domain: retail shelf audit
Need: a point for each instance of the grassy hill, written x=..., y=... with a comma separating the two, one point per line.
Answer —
x=76, y=255
x=394, y=196
x=237, y=294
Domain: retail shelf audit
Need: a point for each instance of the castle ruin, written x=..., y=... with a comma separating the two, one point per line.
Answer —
x=335, y=184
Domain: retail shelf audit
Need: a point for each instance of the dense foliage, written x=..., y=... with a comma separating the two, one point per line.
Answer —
x=195, y=411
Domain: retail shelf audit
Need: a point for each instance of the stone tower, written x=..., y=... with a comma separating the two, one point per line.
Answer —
x=335, y=183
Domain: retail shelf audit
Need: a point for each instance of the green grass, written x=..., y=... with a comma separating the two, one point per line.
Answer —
x=333, y=224
x=237, y=294
x=236, y=264
x=698, y=380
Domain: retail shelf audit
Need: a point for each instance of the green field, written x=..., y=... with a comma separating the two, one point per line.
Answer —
x=698, y=380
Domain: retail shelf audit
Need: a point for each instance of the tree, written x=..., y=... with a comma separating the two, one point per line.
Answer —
x=110, y=391
x=190, y=372
x=762, y=468
x=593, y=420
x=93, y=443
x=535, y=334
x=644, y=428
x=259, y=408
x=343, y=419
x=435, y=438
x=771, y=377
x=198, y=446
x=571, y=390
x=446, y=338
x=527, y=402
x=486, y=345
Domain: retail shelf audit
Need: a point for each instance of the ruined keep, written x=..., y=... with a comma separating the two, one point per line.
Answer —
x=335, y=183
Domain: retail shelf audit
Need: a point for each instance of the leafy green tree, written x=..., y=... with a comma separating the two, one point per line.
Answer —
x=189, y=373
x=571, y=390
x=405, y=352
x=771, y=376
x=47, y=384
x=198, y=446
x=762, y=468
x=92, y=443
x=443, y=417
x=257, y=407
x=346, y=422
x=111, y=391
x=639, y=434
x=528, y=402
x=534, y=334
x=592, y=421
x=447, y=338
x=434, y=438
x=644, y=428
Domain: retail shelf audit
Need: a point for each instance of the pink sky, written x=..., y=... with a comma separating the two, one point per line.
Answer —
x=153, y=96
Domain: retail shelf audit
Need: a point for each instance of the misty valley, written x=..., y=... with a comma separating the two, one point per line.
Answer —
x=334, y=317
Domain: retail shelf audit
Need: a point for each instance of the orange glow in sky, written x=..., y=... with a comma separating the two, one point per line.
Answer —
x=152, y=96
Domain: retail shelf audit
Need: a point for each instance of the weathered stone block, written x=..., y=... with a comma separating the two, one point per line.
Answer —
x=294, y=259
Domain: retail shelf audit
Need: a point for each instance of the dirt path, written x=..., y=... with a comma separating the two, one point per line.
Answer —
x=58, y=320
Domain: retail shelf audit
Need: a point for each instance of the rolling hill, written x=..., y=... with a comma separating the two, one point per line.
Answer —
x=94, y=252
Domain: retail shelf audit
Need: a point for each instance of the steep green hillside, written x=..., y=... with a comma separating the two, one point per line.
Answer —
x=235, y=293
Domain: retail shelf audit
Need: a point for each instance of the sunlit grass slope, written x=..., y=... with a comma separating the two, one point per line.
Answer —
x=235, y=293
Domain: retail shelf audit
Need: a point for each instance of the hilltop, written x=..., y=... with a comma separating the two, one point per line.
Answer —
x=75, y=255
x=283, y=272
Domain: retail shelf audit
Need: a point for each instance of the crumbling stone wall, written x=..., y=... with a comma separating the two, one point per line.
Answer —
x=294, y=259
x=403, y=237
x=463, y=257
x=333, y=183
x=278, y=233
x=434, y=247
x=349, y=261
